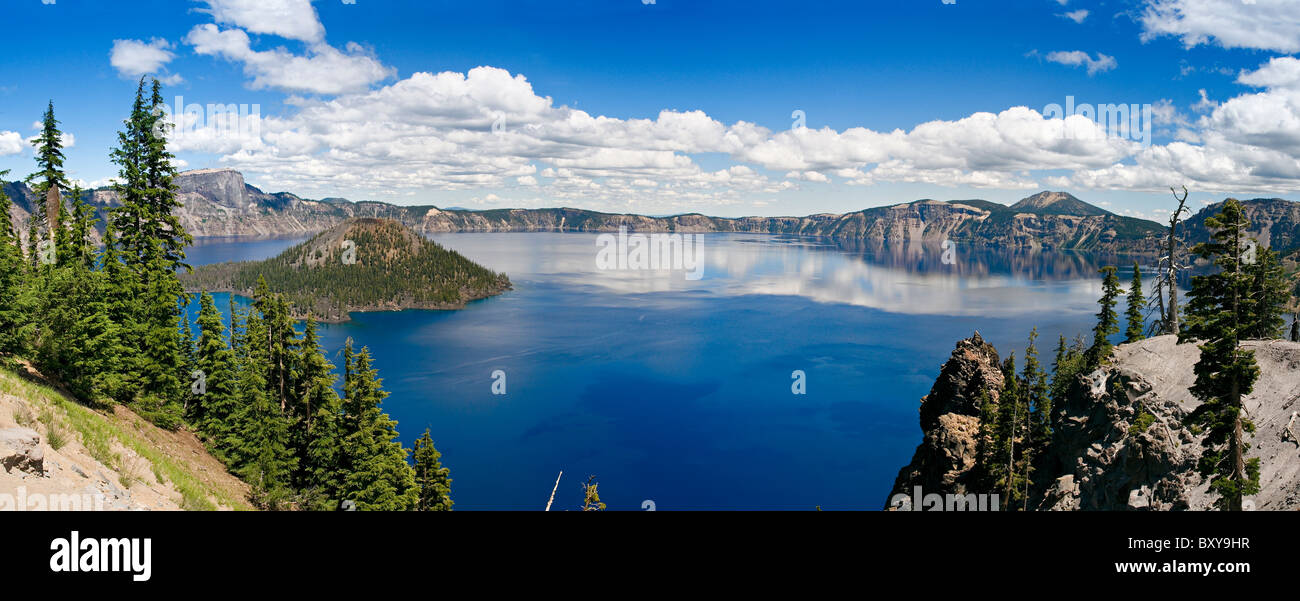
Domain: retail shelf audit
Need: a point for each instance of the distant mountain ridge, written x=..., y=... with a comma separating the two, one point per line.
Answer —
x=218, y=202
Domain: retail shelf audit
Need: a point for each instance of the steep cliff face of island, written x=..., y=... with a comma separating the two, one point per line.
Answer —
x=1120, y=443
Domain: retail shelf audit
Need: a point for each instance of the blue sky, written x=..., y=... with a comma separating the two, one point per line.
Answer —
x=680, y=105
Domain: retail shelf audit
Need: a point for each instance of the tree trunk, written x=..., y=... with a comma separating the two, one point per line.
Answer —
x=1238, y=457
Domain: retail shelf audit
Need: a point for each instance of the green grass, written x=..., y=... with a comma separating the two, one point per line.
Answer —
x=98, y=434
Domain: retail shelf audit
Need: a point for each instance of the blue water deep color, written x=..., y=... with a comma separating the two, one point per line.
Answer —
x=679, y=391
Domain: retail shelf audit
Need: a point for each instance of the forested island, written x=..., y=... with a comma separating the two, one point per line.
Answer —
x=363, y=264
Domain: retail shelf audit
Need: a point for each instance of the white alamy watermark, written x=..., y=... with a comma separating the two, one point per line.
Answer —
x=651, y=252
x=21, y=500
x=76, y=554
x=194, y=121
x=918, y=501
x=1124, y=121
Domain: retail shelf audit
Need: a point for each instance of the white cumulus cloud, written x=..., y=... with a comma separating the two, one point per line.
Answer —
x=1257, y=24
x=291, y=19
x=133, y=58
x=323, y=70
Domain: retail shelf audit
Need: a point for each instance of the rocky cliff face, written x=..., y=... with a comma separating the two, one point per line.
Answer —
x=1275, y=222
x=945, y=459
x=217, y=202
x=1102, y=460
x=1120, y=443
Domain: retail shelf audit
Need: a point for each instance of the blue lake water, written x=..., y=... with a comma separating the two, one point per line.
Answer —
x=679, y=391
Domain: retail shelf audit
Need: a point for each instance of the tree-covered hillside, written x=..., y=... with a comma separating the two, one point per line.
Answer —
x=361, y=264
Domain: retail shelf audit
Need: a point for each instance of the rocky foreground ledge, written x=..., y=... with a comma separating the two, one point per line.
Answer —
x=1097, y=460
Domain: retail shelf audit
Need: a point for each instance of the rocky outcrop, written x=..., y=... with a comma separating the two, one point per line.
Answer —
x=1119, y=442
x=21, y=449
x=945, y=459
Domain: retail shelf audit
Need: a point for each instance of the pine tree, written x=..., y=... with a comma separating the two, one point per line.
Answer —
x=1225, y=371
x=1070, y=361
x=1262, y=309
x=159, y=176
x=1107, y=320
x=79, y=246
x=316, y=417
x=1036, y=391
x=1136, y=301
x=324, y=457
x=1012, y=430
x=378, y=476
x=119, y=295
x=214, y=413
x=49, y=174
x=77, y=342
x=258, y=446
x=430, y=476
x=11, y=279
x=152, y=249
x=989, y=444
x=280, y=343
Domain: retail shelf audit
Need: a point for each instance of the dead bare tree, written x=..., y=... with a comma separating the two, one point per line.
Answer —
x=1169, y=266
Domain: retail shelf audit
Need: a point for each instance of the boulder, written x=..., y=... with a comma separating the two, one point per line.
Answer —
x=21, y=448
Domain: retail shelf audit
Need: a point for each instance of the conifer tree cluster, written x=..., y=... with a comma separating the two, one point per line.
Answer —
x=1016, y=429
x=1245, y=299
x=109, y=324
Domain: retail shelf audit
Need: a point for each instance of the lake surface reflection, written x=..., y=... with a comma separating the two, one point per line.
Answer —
x=679, y=391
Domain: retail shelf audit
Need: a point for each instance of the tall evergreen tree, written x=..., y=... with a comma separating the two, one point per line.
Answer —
x=49, y=174
x=1036, y=391
x=1136, y=302
x=1107, y=320
x=215, y=410
x=1038, y=407
x=378, y=476
x=315, y=413
x=119, y=295
x=79, y=247
x=1012, y=431
x=989, y=444
x=1225, y=371
x=11, y=279
x=258, y=446
x=152, y=249
x=1262, y=309
x=432, y=479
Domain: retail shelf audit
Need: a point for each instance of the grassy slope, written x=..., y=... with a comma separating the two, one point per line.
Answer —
x=110, y=436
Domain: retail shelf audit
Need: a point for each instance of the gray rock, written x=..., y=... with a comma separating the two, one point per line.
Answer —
x=20, y=448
